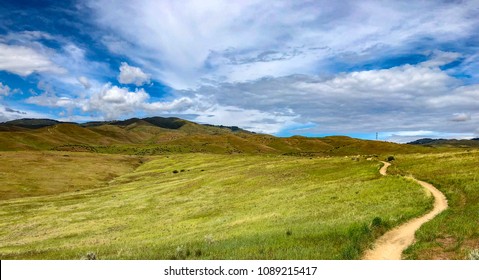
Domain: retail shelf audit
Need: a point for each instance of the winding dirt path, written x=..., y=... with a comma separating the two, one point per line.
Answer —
x=392, y=243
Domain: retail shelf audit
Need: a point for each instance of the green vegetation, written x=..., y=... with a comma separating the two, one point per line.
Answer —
x=219, y=207
x=166, y=188
x=46, y=173
x=455, y=232
x=156, y=136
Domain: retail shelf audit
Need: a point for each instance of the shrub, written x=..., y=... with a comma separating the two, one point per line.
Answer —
x=209, y=239
x=289, y=232
x=91, y=256
x=198, y=252
x=390, y=158
x=474, y=254
x=377, y=222
x=175, y=171
x=181, y=253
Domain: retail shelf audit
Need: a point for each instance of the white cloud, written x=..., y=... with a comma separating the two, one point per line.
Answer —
x=176, y=105
x=49, y=98
x=197, y=42
x=114, y=102
x=403, y=81
x=132, y=75
x=84, y=82
x=441, y=58
x=108, y=102
x=4, y=89
x=63, y=65
x=24, y=61
x=418, y=97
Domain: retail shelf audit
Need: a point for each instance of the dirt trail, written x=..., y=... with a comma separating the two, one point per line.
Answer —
x=392, y=243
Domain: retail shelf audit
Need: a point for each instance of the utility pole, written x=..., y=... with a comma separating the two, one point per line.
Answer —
x=376, y=136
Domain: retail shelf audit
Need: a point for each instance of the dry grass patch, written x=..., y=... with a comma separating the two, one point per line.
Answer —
x=24, y=174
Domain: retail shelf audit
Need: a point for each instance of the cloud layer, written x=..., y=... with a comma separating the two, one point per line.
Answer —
x=235, y=42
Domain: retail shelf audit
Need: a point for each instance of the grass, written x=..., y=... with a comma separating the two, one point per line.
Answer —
x=139, y=138
x=454, y=234
x=25, y=174
x=216, y=207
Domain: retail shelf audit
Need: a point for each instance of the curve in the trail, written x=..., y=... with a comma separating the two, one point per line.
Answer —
x=391, y=245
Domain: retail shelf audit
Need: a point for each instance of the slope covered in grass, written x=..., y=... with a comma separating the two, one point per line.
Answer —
x=154, y=136
x=200, y=206
x=32, y=173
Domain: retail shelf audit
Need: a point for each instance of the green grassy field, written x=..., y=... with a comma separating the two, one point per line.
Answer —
x=455, y=232
x=204, y=206
x=47, y=173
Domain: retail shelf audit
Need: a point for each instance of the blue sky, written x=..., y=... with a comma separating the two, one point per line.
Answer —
x=405, y=69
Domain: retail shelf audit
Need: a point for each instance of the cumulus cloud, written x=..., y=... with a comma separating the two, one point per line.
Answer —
x=108, y=101
x=114, y=102
x=132, y=75
x=24, y=61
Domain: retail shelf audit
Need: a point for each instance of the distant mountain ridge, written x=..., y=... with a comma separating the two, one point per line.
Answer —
x=169, y=123
x=31, y=123
x=463, y=143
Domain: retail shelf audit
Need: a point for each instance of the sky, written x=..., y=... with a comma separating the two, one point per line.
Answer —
x=402, y=69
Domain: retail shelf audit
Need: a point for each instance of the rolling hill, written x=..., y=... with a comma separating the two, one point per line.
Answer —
x=461, y=143
x=158, y=135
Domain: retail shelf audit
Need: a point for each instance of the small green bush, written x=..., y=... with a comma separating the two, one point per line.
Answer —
x=91, y=256
x=377, y=222
x=175, y=171
x=474, y=254
x=198, y=252
x=390, y=158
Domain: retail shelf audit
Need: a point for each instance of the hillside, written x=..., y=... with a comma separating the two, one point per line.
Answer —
x=462, y=143
x=157, y=135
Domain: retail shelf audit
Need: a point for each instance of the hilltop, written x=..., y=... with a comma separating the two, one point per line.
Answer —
x=461, y=143
x=159, y=135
